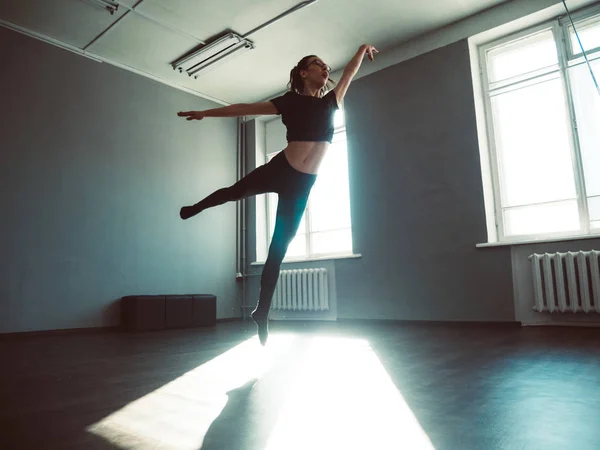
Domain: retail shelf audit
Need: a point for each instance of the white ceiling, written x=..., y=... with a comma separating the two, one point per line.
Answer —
x=157, y=32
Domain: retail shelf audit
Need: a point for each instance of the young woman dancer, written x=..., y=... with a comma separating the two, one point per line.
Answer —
x=307, y=111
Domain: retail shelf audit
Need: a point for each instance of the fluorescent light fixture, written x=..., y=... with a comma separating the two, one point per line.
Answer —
x=212, y=54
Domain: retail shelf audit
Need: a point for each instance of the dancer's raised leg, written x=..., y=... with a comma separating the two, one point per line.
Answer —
x=261, y=180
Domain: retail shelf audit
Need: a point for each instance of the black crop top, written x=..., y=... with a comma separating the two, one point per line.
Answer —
x=307, y=118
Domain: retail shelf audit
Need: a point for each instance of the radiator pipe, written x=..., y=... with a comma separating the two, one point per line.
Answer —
x=280, y=16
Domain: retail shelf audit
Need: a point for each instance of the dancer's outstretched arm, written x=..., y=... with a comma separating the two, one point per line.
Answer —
x=237, y=110
x=351, y=69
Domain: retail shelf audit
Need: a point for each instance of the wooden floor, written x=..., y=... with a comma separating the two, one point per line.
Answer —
x=320, y=385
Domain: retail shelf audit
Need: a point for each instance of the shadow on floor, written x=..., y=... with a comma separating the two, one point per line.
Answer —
x=236, y=425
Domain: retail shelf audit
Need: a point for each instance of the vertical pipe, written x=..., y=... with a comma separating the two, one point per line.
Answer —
x=243, y=222
x=238, y=211
x=237, y=216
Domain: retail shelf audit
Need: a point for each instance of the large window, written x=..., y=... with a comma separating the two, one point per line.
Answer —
x=543, y=128
x=325, y=229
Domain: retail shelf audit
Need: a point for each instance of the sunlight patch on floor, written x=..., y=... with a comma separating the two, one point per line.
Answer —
x=343, y=398
x=178, y=415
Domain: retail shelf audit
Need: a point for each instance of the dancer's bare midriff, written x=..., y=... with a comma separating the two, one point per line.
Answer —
x=306, y=156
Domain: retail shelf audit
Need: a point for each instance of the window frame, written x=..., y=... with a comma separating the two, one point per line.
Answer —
x=559, y=27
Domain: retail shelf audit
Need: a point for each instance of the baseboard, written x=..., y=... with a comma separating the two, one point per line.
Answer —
x=90, y=330
x=61, y=332
x=563, y=324
x=436, y=323
x=230, y=319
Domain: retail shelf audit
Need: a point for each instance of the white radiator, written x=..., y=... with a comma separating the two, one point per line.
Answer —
x=566, y=282
x=302, y=290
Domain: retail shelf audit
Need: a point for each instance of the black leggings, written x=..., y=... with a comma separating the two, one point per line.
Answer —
x=293, y=188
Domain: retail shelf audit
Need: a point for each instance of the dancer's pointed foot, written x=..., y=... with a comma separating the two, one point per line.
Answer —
x=188, y=211
x=262, y=322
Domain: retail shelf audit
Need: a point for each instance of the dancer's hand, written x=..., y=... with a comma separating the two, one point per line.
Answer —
x=192, y=115
x=369, y=50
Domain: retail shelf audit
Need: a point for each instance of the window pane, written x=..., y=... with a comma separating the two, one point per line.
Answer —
x=330, y=197
x=546, y=218
x=595, y=225
x=522, y=56
x=589, y=33
x=532, y=145
x=594, y=208
x=336, y=241
x=297, y=247
x=338, y=118
x=587, y=111
x=272, y=203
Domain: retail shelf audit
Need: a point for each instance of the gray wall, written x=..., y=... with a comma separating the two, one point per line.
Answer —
x=417, y=200
x=95, y=165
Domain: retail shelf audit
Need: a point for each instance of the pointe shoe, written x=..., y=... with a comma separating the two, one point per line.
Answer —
x=262, y=322
x=186, y=212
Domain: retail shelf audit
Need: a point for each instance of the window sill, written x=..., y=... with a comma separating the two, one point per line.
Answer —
x=538, y=241
x=315, y=258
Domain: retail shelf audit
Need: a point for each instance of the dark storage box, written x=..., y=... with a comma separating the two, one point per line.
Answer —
x=157, y=312
x=143, y=312
x=204, y=310
x=178, y=311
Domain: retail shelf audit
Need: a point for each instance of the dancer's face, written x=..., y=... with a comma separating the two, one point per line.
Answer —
x=316, y=72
